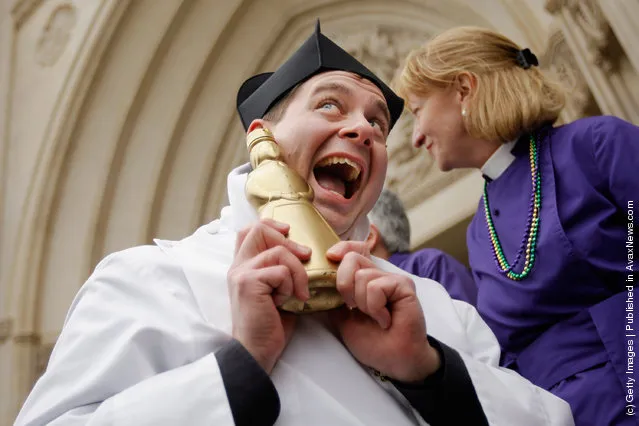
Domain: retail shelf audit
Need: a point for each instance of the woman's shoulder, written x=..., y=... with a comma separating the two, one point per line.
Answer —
x=591, y=127
x=595, y=146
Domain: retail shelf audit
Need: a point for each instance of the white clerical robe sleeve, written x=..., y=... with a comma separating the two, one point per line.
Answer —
x=506, y=397
x=133, y=351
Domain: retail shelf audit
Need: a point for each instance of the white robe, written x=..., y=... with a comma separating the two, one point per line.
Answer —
x=138, y=344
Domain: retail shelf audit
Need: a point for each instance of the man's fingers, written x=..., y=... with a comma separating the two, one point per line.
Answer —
x=264, y=235
x=386, y=291
x=362, y=278
x=239, y=239
x=374, y=291
x=280, y=227
x=352, y=257
x=279, y=280
x=380, y=293
x=280, y=256
x=337, y=252
x=264, y=254
x=248, y=282
x=280, y=299
x=345, y=280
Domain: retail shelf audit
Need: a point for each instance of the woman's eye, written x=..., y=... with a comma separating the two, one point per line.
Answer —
x=328, y=105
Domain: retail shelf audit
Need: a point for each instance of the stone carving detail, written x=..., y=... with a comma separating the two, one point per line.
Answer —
x=598, y=33
x=55, y=35
x=23, y=10
x=411, y=172
x=560, y=60
x=593, y=25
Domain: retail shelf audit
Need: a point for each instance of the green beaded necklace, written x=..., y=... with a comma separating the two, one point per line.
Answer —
x=529, y=240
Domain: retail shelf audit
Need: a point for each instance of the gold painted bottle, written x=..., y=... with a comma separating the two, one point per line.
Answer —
x=280, y=193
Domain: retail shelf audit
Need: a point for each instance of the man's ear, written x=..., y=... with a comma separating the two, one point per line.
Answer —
x=465, y=84
x=373, y=238
x=258, y=123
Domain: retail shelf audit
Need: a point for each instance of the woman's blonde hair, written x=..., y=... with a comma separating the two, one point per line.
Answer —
x=508, y=98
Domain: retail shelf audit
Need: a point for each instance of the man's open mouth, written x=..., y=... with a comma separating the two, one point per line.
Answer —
x=339, y=175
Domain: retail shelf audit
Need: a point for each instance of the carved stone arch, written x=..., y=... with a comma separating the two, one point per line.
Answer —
x=144, y=132
x=23, y=353
x=380, y=37
x=560, y=60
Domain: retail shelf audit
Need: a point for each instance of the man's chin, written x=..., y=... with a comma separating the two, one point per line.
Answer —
x=336, y=220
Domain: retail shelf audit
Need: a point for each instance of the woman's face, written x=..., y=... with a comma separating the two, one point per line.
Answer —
x=439, y=127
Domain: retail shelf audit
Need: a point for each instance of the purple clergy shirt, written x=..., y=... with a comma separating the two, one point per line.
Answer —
x=563, y=327
x=441, y=267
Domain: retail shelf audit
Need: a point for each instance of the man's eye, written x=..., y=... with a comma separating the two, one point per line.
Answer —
x=329, y=104
x=380, y=124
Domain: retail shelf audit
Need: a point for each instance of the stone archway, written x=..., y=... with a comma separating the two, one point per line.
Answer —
x=140, y=130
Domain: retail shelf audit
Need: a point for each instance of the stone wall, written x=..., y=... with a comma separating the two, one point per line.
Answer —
x=117, y=124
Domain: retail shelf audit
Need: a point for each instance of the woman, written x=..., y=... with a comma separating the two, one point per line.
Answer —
x=548, y=244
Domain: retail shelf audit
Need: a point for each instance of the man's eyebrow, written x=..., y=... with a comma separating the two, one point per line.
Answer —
x=336, y=87
x=332, y=87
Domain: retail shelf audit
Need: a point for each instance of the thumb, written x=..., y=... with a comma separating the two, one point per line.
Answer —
x=337, y=252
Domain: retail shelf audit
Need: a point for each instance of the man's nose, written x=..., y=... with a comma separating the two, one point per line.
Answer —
x=358, y=130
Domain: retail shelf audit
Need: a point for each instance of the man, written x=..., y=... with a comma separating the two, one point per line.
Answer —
x=390, y=239
x=189, y=332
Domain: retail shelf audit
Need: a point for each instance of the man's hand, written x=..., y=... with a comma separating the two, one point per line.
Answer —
x=387, y=331
x=267, y=270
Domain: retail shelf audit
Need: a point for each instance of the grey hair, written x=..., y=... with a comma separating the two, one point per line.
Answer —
x=389, y=216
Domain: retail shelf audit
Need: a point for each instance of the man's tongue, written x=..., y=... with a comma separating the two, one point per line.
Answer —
x=331, y=182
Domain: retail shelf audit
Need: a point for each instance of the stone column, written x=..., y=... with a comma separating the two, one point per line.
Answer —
x=559, y=60
x=622, y=17
x=21, y=364
x=599, y=56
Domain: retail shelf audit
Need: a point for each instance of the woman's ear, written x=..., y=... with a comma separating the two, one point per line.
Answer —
x=465, y=84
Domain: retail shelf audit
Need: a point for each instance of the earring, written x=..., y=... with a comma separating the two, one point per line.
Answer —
x=463, y=112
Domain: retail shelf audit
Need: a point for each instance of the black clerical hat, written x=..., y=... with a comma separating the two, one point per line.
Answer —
x=318, y=54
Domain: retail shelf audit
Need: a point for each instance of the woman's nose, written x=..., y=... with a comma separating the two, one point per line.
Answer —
x=418, y=137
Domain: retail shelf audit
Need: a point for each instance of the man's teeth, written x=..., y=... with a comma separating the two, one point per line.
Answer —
x=354, y=167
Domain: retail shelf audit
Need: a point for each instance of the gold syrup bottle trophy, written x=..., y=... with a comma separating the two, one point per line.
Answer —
x=280, y=193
